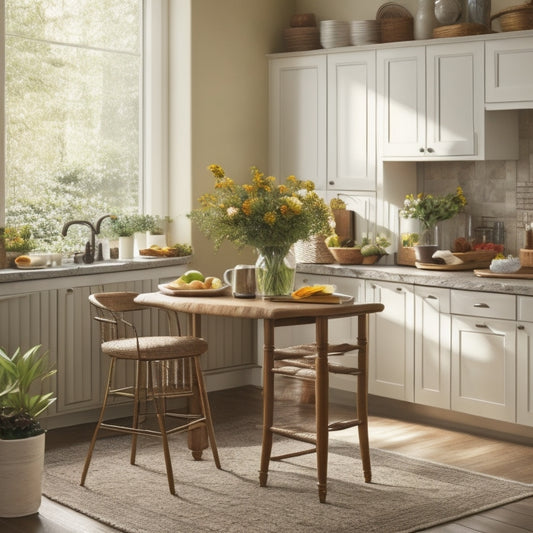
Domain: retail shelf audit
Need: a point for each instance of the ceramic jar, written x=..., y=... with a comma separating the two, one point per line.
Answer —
x=425, y=19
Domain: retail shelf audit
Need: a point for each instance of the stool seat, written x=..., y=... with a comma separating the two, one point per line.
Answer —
x=155, y=348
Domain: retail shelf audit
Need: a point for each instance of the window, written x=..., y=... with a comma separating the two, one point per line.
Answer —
x=73, y=113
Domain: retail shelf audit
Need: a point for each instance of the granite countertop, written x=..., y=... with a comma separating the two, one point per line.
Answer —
x=463, y=280
x=101, y=267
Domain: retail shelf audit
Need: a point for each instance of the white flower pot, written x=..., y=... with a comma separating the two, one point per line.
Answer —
x=159, y=240
x=21, y=472
x=139, y=238
x=125, y=247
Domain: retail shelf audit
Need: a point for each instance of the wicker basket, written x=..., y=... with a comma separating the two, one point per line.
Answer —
x=515, y=18
x=299, y=39
x=313, y=250
x=406, y=256
x=460, y=30
x=347, y=256
x=396, y=29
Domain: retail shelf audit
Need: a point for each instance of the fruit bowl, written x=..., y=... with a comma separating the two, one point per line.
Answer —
x=347, y=256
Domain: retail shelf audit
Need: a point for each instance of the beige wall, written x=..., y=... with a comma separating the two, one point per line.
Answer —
x=229, y=103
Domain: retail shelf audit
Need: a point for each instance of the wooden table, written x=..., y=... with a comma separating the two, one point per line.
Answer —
x=275, y=314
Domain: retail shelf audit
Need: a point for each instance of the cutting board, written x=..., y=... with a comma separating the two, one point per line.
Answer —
x=523, y=273
x=470, y=265
x=335, y=298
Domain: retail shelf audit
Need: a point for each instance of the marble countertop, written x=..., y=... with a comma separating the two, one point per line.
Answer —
x=463, y=280
x=101, y=267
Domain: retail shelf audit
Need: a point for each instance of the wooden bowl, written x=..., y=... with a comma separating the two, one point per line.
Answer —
x=347, y=256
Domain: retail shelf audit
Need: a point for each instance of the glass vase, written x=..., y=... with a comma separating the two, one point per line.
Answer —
x=274, y=271
x=427, y=245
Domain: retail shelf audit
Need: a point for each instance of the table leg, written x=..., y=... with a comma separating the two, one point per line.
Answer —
x=268, y=400
x=322, y=406
x=196, y=436
x=362, y=395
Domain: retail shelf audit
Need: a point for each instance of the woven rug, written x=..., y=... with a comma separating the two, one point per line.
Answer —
x=406, y=494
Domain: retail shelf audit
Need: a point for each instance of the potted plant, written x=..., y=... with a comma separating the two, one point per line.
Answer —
x=17, y=241
x=429, y=210
x=21, y=435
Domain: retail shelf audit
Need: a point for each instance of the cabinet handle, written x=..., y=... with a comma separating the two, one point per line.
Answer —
x=431, y=297
x=484, y=306
x=430, y=150
x=520, y=327
x=70, y=291
x=421, y=150
x=331, y=182
x=399, y=289
x=481, y=326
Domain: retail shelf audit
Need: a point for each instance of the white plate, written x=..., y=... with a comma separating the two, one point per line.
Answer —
x=192, y=292
x=30, y=267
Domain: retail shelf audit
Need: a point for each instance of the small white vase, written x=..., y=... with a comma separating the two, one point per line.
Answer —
x=139, y=242
x=425, y=20
x=158, y=240
x=125, y=247
x=21, y=472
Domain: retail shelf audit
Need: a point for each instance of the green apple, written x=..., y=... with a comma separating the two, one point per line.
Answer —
x=191, y=275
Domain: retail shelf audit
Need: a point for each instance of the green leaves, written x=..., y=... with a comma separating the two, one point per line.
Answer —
x=20, y=377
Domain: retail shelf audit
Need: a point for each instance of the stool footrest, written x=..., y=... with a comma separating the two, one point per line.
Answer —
x=344, y=424
x=303, y=350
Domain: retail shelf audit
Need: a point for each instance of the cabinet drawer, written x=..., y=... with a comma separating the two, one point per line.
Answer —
x=525, y=308
x=484, y=304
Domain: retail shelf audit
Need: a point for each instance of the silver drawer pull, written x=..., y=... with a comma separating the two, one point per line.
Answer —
x=484, y=306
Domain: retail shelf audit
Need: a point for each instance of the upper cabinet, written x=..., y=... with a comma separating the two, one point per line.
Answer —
x=509, y=76
x=351, y=121
x=431, y=106
x=322, y=119
x=298, y=118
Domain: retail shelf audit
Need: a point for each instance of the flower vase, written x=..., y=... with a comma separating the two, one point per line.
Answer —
x=425, y=19
x=275, y=269
x=427, y=245
x=125, y=247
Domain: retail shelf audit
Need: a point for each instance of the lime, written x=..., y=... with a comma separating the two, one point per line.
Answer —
x=191, y=275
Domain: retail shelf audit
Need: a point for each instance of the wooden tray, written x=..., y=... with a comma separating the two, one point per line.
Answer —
x=335, y=298
x=523, y=273
x=470, y=265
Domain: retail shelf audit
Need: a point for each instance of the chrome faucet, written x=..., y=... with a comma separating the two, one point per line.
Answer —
x=91, y=249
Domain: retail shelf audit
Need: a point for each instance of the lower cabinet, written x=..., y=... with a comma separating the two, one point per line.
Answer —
x=432, y=346
x=391, y=340
x=524, y=361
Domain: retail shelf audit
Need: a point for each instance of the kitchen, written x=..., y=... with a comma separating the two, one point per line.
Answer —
x=496, y=187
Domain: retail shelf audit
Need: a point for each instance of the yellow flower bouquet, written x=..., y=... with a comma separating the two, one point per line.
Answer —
x=265, y=214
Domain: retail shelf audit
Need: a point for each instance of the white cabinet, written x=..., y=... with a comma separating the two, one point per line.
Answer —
x=524, y=362
x=432, y=346
x=351, y=121
x=298, y=118
x=322, y=119
x=431, y=106
x=483, y=354
x=391, y=340
x=509, y=76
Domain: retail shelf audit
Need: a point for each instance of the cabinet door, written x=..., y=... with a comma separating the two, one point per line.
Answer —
x=28, y=320
x=351, y=121
x=298, y=118
x=432, y=346
x=509, y=77
x=391, y=340
x=483, y=367
x=524, y=374
x=401, y=85
x=454, y=98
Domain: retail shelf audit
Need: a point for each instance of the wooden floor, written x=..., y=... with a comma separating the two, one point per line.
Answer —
x=489, y=456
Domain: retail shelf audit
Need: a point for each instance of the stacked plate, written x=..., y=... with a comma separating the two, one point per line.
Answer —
x=334, y=33
x=364, y=32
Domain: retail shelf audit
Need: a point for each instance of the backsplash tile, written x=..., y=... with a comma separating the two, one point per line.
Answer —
x=502, y=190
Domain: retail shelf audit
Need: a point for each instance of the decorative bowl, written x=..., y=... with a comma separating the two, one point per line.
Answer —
x=347, y=256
